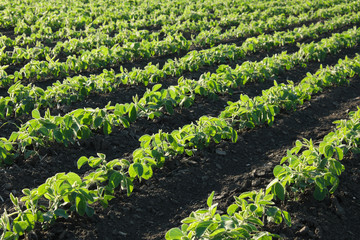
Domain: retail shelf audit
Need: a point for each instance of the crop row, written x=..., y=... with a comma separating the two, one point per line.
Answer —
x=80, y=123
x=305, y=166
x=103, y=12
x=100, y=37
x=72, y=46
x=107, y=57
x=23, y=99
x=69, y=192
x=52, y=28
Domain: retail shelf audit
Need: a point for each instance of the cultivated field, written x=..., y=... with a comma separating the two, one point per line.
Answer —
x=210, y=119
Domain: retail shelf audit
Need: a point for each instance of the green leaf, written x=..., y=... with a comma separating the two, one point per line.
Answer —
x=340, y=153
x=320, y=182
x=30, y=219
x=35, y=114
x=189, y=220
x=115, y=179
x=85, y=192
x=13, y=199
x=329, y=151
x=13, y=136
x=271, y=211
x=256, y=221
x=319, y=194
x=129, y=186
x=61, y=212
x=107, y=128
x=269, y=187
x=201, y=228
x=184, y=227
x=20, y=227
x=217, y=232
x=174, y=233
x=48, y=216
x=97, y=122
x=277, y=170
x=189, y=152
x=26, y=191
x=58, y=136
x=136, y=169
x=82, y=161
x=234, y=136
x=89, y=211
x=210, y=199
x=336, y=167
x=72, y=178
x=169, y=107
x=287, y=218
x=132, y=113
x=232, y=209
x=279, y=191
x=156, y=87
x=47, y=124
x=80, y=204
x=41, y=190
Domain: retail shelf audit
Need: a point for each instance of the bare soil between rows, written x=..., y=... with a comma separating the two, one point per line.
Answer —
x=121, y=142
x=185, y=182
x=161, y=60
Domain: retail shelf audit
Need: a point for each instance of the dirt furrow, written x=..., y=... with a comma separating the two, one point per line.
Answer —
x=185, y=182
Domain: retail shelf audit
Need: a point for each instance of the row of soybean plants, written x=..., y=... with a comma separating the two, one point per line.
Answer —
x=181, y=23
x=23, y=99
x=35, y=31
x=66, y=192
x=34, y=17
x=106, y=57
x=80, y=123
x=305, y=166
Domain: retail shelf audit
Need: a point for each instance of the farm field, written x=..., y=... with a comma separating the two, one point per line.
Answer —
x=222, y=119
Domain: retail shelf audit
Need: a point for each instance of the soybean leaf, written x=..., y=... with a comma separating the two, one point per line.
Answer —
x=201, y=228
x=319, y=194
x=279, y=191
x=89, y=211
x=82, y=161
x=287, y=218
x=169, y=107
x=80, y=204
x=340, y=153
x=232, y=209
x=136, y=169
x=329, y=151
x=20, y=227
x=174, y=233
x=210, y=199
x=132, y=113
x=277, y=170
x=35, y=114
x=61, y=212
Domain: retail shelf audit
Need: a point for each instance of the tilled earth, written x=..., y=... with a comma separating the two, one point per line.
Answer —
x=184, y=183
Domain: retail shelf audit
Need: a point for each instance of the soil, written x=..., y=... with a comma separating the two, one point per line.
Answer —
x=184, y=183
x=161, y=60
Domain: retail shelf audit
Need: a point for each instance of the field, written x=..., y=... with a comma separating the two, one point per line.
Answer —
x=221, y=119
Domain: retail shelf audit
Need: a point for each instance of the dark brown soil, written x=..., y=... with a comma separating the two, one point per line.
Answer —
x=184, y=183
x=161, y=60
